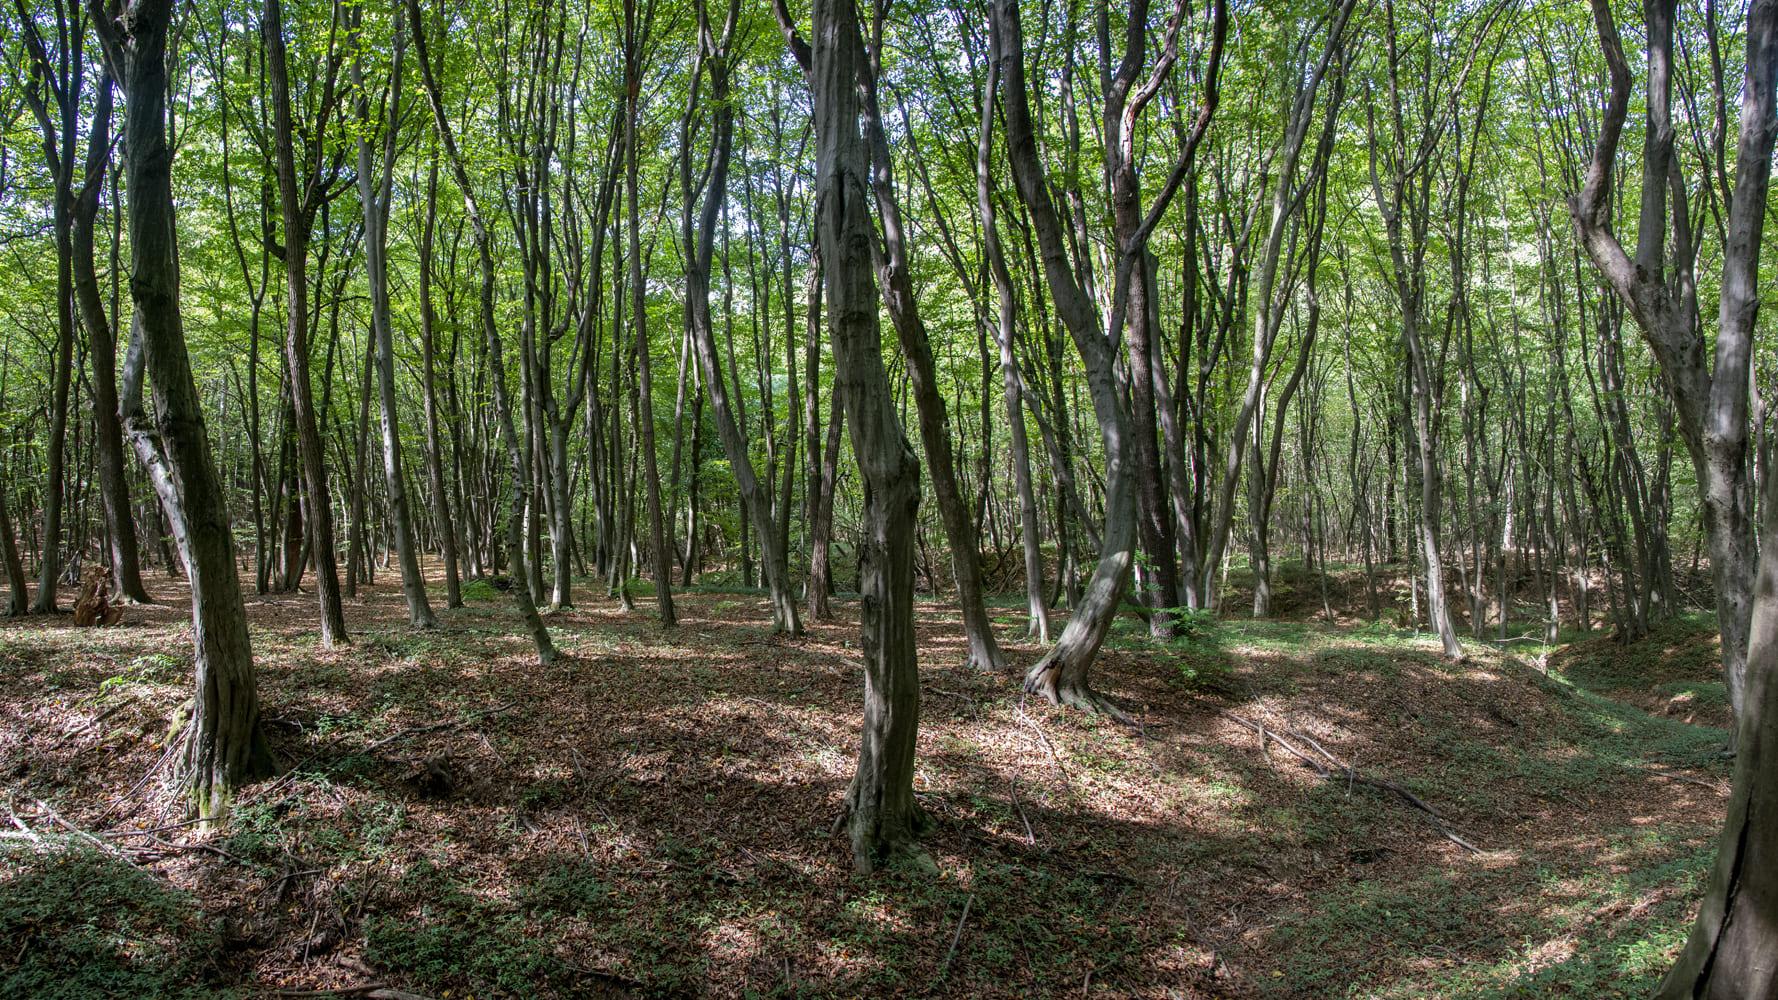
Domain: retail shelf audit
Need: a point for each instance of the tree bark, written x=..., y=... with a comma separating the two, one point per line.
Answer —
x=935, y=423
x=883, y=816
x=224, y=746
x=635, y=37
x=520, y=479
x=756, y=497
x=1006, y=319
x=114, y=487
x=298, y=208
x=1729, y=952
x=1710, y=401
x=443, y=522
x=376, y=189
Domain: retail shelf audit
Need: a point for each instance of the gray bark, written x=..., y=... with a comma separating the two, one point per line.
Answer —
x=883, y=816
x=376, y=188
x=520, y=482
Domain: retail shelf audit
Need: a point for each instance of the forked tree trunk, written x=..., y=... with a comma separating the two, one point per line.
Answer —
x=224, y=746
x=882, y=814
x=1710, y=402
x=1730, y=952
x=1061, y=676
x=56, y=104
x=935, y=423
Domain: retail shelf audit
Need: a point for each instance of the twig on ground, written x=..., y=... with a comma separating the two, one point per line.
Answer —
x=1700, y=782
x=439, y=726
x=1333, y=769
x=955, y=937
x=1027, y=720
x=372, y=991
x=1012, y=786
x=108, y=713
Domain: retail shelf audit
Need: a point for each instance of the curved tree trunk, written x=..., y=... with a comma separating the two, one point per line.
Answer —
x=935, y=422
x=882, y=814
x=224, y=744
x=756, y=497
x=114, y=488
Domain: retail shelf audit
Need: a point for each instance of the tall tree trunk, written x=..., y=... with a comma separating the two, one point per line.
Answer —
x=1729, y=953
x=1710, y=401
x=224, y=744
x=756, y=497
x=1006, y=318
x=444, y=523
x=882, y=814
x=635, y=36
x=298, y=214
x=376, y=189
x=54, y=97
x=18, y=595
x=935, y=424
x=521, y=479
x=114, y=488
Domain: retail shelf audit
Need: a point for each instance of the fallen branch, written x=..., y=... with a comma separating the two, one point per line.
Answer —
x=955, y=937
x=1012, y=786
x=1331, y=768
x=439, y=726
x=1027, y=720
x=372, y=991
x=108, y=713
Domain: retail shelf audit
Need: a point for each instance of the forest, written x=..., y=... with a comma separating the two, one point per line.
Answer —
x=546, y=498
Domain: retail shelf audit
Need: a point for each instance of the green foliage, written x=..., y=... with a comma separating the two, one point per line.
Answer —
x=479, y=590
x=80, y=925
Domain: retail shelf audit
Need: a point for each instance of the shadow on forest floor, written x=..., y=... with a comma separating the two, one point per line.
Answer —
x=651, y=816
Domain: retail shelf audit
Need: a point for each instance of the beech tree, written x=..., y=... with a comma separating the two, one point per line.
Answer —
x=224, y=745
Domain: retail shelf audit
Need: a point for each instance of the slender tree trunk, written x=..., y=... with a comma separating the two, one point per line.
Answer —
x=756, y=497
x=18, y=595
x=883, y=816
x=114, y=487
x=1006, y=319
x=657, y=529
x=521, y=479
x=922, y=372
x=376, y=189
x=298, y=220
x=444, y=523
x=224, y=745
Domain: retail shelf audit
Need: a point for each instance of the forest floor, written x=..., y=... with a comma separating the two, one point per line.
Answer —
x=651, y=816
